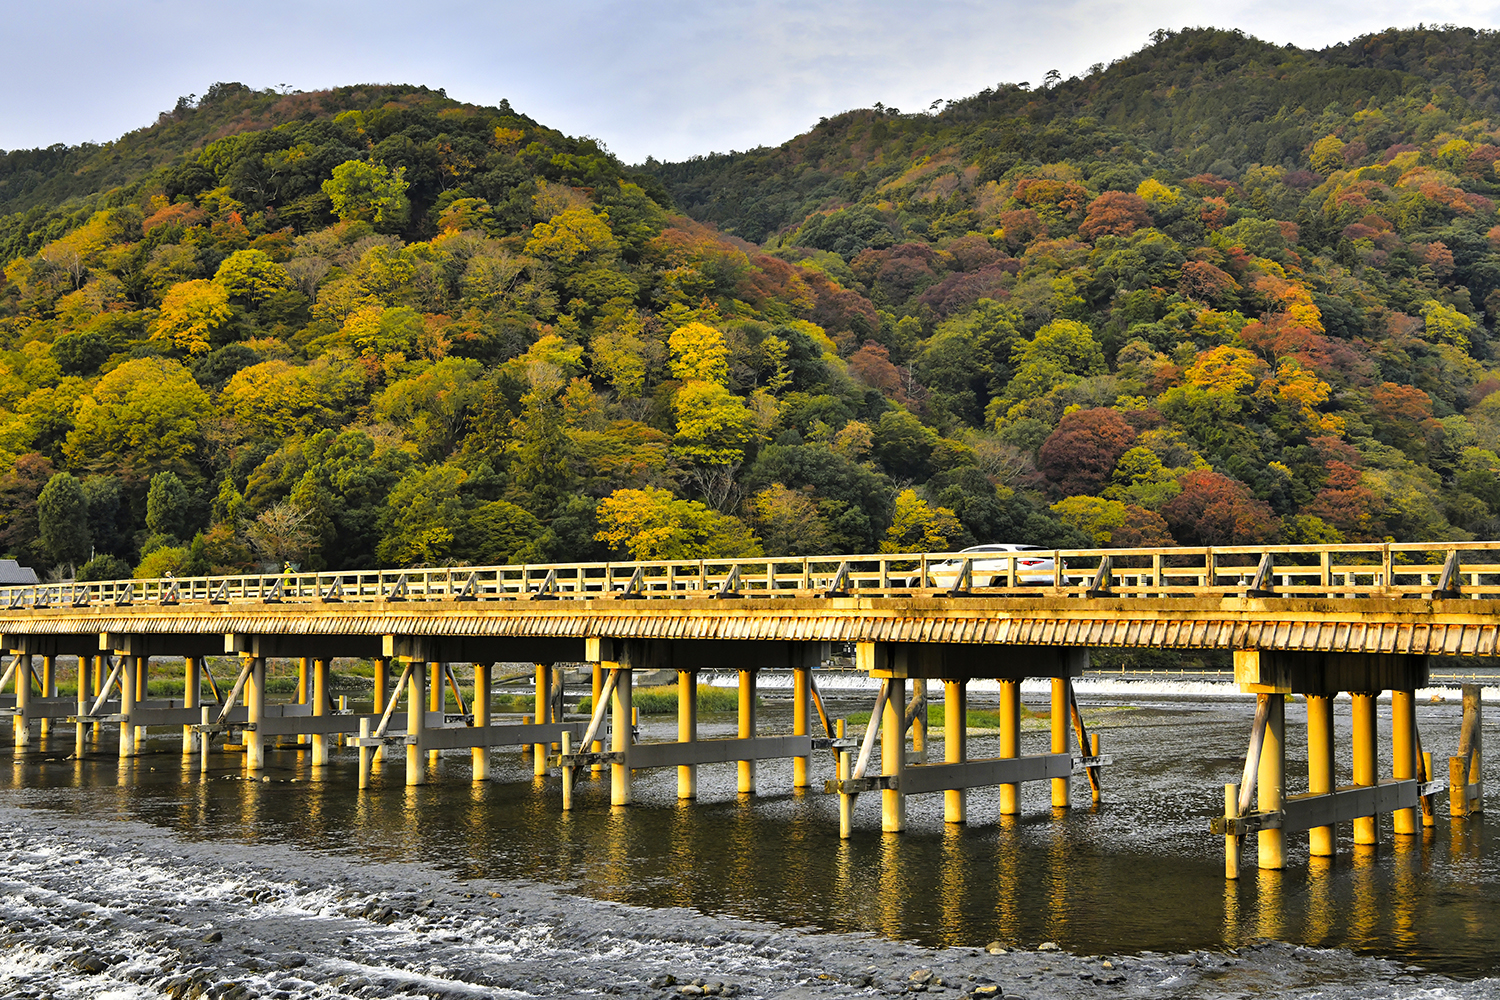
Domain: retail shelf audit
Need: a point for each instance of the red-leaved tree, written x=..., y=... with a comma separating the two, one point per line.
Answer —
x=1213, y=509
x=1115, y=213
x=1082, y=453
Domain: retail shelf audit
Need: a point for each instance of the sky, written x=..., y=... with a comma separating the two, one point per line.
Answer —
x=669, y=79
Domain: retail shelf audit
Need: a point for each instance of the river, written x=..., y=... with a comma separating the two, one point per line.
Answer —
x=148, y=878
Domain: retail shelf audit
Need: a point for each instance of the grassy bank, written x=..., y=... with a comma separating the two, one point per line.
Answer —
x=662, y=700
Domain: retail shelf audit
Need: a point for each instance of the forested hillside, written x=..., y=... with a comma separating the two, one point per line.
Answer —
x=1217, y=292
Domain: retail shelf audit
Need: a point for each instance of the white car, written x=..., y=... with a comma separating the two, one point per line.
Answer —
x=1035, y=571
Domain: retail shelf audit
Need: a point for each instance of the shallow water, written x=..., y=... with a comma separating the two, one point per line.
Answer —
x=1138, y=874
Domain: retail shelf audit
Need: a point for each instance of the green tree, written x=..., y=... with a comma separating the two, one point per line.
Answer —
x=63, y=519
x=903, y=445
x=1062, y=351
x=500, y=533
x=251, y=276
x=369, y=192
x=169, y=507
x=789, y=522
x=144, y=417
x=433, y=407
x=713, y=424
x=103, y=567
x=103, y=496
x=423, y=517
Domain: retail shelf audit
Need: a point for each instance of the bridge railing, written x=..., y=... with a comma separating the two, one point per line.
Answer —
x=1426, y=570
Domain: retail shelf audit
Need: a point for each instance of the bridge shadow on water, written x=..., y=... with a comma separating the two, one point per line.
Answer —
x=1140, y=872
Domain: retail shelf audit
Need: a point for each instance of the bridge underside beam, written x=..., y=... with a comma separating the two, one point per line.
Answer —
x=155, y=645
x=1266, y=671
x=481, y=649
x=962, y=661
x=293, y=647
x=692, y=654
x=80, y=644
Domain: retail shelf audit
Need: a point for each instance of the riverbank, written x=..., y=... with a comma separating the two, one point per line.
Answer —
x=114, y=908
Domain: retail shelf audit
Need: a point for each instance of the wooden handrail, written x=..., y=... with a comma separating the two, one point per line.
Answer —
x=1424, y=570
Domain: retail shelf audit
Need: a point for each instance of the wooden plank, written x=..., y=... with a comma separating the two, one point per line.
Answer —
x=923, y=778
x=1303, y=812
x=319, y=725
x=460, y=737
x=718, y=751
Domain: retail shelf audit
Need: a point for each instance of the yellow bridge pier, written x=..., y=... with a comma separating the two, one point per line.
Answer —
x=1320, y=677
x=955, y=664
x=1301, y=621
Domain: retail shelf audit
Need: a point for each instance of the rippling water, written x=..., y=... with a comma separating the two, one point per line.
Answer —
x=1139, y=873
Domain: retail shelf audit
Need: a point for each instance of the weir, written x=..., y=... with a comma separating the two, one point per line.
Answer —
x=1301, y=621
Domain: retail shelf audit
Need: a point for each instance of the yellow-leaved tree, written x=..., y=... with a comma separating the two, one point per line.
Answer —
x=653, y=523
x=699, y=354
x=918, y=527
x=190, y=313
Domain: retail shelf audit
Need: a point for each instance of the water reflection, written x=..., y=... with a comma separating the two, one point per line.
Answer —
x=1142, y=875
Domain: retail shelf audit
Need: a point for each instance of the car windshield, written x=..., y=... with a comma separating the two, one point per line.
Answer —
x=1004, y=548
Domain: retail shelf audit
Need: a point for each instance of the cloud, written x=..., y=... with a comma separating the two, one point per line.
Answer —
x=663, y=78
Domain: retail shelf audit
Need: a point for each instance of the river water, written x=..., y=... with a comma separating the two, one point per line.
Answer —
x=115, y=878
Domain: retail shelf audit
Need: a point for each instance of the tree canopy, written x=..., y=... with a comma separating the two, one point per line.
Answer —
x=1216, y=292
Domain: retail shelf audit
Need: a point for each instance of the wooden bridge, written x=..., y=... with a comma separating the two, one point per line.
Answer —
x=1308, y=620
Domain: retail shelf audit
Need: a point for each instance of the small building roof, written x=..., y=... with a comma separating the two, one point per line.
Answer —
x=12, y=573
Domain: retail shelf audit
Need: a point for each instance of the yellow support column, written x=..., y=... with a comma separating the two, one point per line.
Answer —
x=919, y=721
x=319, y=709
x=97, y=688
x=438, y=698
x=747, y=728
x=893, y=757
x=255, y=702
x=955, y=744
x=1366, y=762
x=620, y=738
x=127, y=708
x=1322, y=840
x=304, y=692
x=1010, y=742
x=1231, y=840
x=543, y=714
x=192, y=682
x=801, y=722
x=1404, y=753
x=1061, y=737
x=687, y=730
x=20, y=723
x=80, y=727
x=842, y=771
x=142, y=692
x=596, y=688
x=382, y=695
x=1270, y=782
x=416, y=715
x=481, y=755
x=49, y=690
